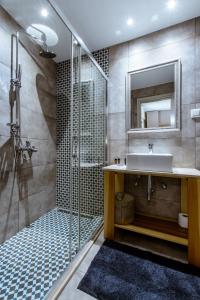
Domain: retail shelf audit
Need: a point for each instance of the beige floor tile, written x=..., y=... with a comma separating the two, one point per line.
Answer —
x=71, y=292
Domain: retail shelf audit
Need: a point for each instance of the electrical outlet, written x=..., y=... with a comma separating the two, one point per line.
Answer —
x=195, y=113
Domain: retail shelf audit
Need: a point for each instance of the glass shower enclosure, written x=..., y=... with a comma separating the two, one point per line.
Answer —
x=51, y=202
x=87, y=143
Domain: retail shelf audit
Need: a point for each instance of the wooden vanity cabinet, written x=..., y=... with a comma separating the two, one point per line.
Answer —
x=157, y=228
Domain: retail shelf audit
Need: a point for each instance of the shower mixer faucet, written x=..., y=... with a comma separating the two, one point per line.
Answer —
x=27, y=148
x=14, y=128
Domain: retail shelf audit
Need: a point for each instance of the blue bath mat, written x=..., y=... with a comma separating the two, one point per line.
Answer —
x=119, y=272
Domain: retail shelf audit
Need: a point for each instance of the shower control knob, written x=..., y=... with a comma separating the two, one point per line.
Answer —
x=28, y=143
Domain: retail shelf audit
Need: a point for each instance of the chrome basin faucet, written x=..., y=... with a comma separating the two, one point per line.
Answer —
x=150, y=146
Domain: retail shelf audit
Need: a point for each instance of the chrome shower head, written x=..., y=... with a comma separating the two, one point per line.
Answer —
x=42, y=41
x=47, y=54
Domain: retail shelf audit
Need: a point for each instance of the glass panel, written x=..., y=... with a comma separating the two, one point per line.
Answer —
x=92, y=146
x=34, y=229
x=55, y=137
x=87, y=148
x=74, y=153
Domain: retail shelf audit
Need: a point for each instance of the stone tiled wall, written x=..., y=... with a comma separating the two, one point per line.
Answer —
x=179, y=41
x=28, y=193
x=164, y=203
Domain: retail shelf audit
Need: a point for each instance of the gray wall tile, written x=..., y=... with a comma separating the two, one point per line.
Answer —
x=176, y=42
x=198, y=153
x=164, y=37
x=116, y=96
x=163, y=203
x=116, y=126
x=28, y=191
x=116, y=148
x=198, y=123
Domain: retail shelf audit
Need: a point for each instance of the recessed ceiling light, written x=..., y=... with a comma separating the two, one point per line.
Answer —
x=154, y=18
x=129, y=22
x=44, y=12
x=118, y=32
x=171, y=4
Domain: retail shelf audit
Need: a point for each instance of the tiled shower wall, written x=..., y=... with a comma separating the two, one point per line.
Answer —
x=92, y=137
x=63, y=94
x=102, y=58
x=27, y=194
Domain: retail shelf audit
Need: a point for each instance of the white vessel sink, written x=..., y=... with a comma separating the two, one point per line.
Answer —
x=149, y=162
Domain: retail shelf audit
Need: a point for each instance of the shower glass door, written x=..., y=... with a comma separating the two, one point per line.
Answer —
x=92, y=146
x=74, y=242
x=88, y=134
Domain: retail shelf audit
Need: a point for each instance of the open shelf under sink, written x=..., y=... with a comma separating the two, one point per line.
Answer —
x=162, y=229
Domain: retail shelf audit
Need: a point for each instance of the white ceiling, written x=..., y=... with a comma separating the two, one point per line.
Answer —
x=97, y=21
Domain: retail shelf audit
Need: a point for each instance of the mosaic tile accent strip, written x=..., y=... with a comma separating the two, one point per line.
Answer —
x=63, y=93
x=33, y=259
x=102, y=58
x=92, y=136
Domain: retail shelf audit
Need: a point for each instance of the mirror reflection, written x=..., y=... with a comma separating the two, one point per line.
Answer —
x=153, y=97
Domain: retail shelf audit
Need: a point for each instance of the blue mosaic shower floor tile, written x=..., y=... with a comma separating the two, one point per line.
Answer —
x=33, y=259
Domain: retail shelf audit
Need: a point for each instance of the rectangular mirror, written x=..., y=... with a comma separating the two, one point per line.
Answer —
x=153, y=98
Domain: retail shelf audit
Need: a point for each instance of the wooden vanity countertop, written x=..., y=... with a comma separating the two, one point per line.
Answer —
x=176, y=172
